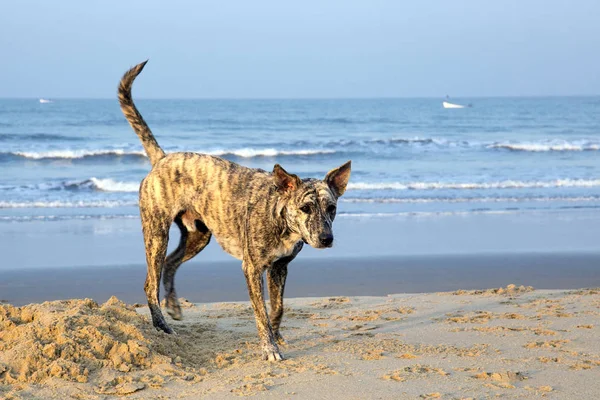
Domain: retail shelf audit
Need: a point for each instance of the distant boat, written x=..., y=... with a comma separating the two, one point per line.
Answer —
x=43, y=101
x=451, y=105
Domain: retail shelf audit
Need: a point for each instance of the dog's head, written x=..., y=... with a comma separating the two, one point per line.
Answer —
x=309, y=205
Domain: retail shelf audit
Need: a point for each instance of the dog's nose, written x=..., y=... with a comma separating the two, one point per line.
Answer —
x=326, y=239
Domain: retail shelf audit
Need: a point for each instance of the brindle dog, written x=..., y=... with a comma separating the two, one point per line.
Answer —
x=258, y=217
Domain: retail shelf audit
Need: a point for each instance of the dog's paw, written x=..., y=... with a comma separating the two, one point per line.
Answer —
x=174, y=310
x=279, y=339
x=272, y=353
x=272, y=356
x=162, y=326
x=158, y=320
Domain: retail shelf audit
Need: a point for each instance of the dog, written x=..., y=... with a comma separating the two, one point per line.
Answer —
x=260, y=218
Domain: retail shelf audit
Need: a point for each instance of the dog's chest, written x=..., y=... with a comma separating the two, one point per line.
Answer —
x=288, y=247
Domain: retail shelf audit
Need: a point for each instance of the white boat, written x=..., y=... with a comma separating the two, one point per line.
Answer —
x=43, y=101
x=451, y=105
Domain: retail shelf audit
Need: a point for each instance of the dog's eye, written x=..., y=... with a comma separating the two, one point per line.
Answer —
x=331, y=209
x=305, y=208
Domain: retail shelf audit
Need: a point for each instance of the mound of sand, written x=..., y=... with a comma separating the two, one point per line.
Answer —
x=509, y=290
x=74, y=339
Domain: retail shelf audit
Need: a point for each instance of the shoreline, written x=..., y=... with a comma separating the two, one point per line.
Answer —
x=118, y=242
x=218, y=281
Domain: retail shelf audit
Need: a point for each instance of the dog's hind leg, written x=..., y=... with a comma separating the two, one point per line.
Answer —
x=173, y=262
x=156, y=238
x=190, y=244
x=276, y=276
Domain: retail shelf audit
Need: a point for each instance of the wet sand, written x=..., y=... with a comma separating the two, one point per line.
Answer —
x=218, y=281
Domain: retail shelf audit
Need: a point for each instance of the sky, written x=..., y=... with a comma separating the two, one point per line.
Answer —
x=301, y=49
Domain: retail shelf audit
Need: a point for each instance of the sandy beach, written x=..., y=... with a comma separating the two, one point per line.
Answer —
x=64, y=335
x=511, y=342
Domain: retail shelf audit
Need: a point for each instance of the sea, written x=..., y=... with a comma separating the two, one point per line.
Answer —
x=79, y=159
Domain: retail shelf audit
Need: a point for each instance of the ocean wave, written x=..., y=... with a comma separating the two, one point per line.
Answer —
x=507, y=184
x=92, y=184
x=127, y=203
x=480, y=211
x=547, y=146
x=76, y=154
x=38, y=137
x=251, y=153
x=308, y=148
x=137, y=154
x=408, y=200
x=109, y=185
x=67, y=204
x=544, y=145
x=415, y=140
x=29, y=218
x=368, y=215
x=403, y=141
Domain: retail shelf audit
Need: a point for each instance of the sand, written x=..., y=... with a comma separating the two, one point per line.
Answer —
x=512, y=342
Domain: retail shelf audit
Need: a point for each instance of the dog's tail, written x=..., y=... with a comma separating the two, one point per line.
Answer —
x=155, y=153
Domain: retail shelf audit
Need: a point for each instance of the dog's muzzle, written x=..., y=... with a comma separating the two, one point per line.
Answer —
x=326, y=239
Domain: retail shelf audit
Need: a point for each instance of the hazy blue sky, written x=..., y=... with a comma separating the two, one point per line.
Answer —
x=257, y=49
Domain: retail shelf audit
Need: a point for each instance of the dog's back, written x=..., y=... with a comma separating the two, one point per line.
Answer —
x=213, y=190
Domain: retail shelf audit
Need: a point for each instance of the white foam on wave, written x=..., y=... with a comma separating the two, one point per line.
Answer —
x=110, y=185
x=407, y=140
x=66, y=204
x=385, y=200
x=30, y=218
x=75, y=154
x=547, y=146
x=242, y=152
x=250, y=152
x=424, y=213
x=542, y=145
x=104, y=185
x=507, y=184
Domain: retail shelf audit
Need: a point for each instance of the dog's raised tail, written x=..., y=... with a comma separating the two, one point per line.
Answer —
x=155, y=153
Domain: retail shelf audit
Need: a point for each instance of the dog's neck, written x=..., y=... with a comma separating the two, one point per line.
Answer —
x=280, y=220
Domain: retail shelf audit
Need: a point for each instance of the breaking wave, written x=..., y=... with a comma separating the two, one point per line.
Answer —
x=507, y=184
x=309, y=148
x=250, y=153
x=67, y=204
x=547, y=146
x=121, y=153
x=92, y=184
x=37, y=137
x=74, y=154
x=408, y=200
x=111, y=185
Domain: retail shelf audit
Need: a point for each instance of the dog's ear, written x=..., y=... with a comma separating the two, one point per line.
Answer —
x=337, y=179
x=283, y=180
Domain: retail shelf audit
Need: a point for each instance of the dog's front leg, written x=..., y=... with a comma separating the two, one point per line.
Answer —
x=276, y=284
x=254, y=279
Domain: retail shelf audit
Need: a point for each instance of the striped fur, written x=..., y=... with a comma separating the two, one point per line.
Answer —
x=134, y=117
x=261, y=218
